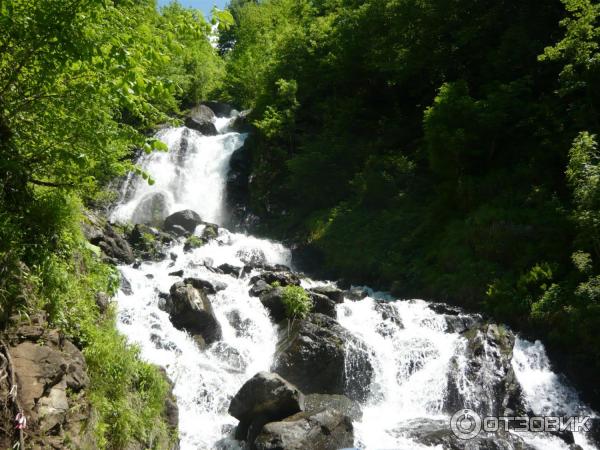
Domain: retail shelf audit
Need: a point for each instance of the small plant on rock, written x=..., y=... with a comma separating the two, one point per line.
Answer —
x=297, y=302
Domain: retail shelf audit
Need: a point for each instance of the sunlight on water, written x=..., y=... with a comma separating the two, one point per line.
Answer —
x=411, y=350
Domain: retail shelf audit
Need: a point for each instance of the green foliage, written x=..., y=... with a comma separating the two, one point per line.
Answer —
x=194, y=242
x=82, y=86
x=423, y=144
x=296, y=301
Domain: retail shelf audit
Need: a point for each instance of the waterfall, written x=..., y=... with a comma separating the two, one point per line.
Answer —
x=421, y=362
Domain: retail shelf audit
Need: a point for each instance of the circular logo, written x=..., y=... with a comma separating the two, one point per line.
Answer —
x=465, y=424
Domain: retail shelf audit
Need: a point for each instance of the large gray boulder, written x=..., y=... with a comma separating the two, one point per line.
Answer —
x=186, y=219
x=494, y=390
x=189, y=309
x=151, y=210
x=322, y=430
x=265, y=397
x=202, y=119
x=314, y=354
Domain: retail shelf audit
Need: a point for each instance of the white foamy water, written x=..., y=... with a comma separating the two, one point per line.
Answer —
x=411, y=350
x=191, y=175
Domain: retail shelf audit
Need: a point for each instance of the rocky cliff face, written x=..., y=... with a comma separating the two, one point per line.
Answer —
x=44, y=378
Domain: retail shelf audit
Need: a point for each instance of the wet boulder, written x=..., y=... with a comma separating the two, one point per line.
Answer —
x=437, y=433
x=457, y=321
x=331, y=292
x=202, y=119
x=272, y=300
x=264, y=398
x=220, y=109
x=281, y=278
x=341, y=403
x=147, y=242
x=230, y=269
x=323, y=304
x=495, y=391
x=389, y=313
x=187, y=219
x=206, y=286
x=355, y=294
x=151, y=210
x=259, y=288
x=253, y=257
x=324, y=430
x=189, y=309
x=242, y=123
x=314, y=354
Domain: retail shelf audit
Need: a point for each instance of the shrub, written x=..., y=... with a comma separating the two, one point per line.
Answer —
x=297, y=302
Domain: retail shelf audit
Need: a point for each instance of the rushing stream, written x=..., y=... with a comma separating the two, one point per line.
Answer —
x=413, y=356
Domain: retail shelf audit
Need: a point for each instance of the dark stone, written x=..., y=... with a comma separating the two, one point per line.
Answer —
x=230, y=270
x=102, y=302
x=389, y=312
x=341, y=403
x=126, y=285
x=308, y=258
x=202, y=119
x=114, y=245
x=190, y=309
x=267, y=397
x=283, y=278
x=242, y=124
x=219, y=109
x=462, y=323
x=179, y=231
x=489, y=372
x=313, y=354
x=237, y=188
x=445, y=309
x=272, y=300
x=323, y=304
x=206, y=286
x=259, y=288
x=432, y=433
x=333, y=293
x=177, y=273
x=240, y=325
x=186, y=219
x=323, y=430
x=356, y=294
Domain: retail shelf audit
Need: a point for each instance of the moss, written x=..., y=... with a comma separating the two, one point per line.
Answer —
x=193, y=242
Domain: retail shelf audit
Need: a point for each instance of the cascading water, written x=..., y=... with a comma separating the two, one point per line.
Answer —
x=418, y=360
